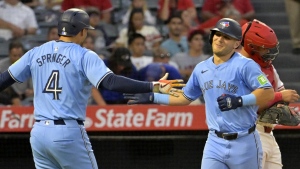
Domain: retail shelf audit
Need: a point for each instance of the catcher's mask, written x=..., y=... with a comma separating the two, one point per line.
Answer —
x=258, y=37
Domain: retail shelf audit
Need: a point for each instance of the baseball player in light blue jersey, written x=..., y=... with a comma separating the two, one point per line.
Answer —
x=232, y=86
x=63, y=74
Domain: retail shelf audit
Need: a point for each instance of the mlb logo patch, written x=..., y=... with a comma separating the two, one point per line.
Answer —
x=224, y=24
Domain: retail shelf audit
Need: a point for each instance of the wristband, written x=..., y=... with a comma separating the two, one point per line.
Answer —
x=277, y=98
x=249, y=99
x=161, y=98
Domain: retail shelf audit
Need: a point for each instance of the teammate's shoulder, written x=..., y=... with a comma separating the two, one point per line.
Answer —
x=88, y=52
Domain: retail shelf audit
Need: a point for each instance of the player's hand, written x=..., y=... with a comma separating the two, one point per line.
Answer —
x=139, y=98
x=227, y=102
x=168, y=86
x=289, y=95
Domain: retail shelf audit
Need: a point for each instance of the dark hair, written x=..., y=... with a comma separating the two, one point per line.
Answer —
x=15, y=44
x=131, y=28
x=176, y=14
x=134, y=36
x=120, y=56
x=193, y=33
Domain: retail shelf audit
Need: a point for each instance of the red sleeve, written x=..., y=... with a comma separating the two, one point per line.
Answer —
x=160, y=5
x=210, y=23
x=248, y=6
x=105, y=5
x=211, y=6
x=243, y=6
x=185, y=4
x=67, y=4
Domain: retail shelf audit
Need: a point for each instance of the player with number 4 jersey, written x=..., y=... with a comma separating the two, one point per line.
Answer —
x=63, y=74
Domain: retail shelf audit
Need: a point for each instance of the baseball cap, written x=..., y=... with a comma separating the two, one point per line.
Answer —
x=122, y=56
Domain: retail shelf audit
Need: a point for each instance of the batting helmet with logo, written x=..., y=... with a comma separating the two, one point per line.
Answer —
x=256, y=35
x=227, y=26
x=72, y=21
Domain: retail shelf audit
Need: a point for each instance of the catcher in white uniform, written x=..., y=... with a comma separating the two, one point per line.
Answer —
x=261, y=44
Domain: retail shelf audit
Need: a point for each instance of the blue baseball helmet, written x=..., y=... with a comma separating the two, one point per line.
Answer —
x=227, y=26
x=72, y=21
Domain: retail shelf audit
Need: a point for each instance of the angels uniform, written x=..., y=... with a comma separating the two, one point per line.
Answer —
x=272, y=155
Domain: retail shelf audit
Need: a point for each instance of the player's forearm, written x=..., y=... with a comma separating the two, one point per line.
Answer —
x=263, y=96
x=4, y=24
x=125, y=85
x=5, y=80
x=171, y=100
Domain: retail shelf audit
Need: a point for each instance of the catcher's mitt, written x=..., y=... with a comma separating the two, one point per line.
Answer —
x=280, y=113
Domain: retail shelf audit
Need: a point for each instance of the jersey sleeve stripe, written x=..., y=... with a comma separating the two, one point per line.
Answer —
x=103, y=78
x=13, y=77
x=188, y=97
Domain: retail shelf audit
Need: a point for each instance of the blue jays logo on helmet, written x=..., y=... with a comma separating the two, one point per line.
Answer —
x=224, y=24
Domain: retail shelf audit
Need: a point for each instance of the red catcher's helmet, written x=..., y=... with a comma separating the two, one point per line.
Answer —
x=256, y=35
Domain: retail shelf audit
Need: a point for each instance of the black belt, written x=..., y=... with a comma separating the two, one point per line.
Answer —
x=232, y=136
x=62, y=122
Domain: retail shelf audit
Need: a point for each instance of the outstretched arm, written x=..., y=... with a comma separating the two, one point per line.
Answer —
x=5, y=80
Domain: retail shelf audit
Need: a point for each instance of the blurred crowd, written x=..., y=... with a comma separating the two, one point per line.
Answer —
x=133, y=39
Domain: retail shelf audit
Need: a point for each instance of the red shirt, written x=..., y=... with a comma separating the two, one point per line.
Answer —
x=102, y=5
x=210, y=23
x=213, y=6
x=181, y=5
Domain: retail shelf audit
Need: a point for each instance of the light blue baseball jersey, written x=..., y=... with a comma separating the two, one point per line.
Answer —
x=238, y=76
x=63, y=74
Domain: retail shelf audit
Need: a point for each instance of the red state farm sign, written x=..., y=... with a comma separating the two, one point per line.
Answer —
x=121, y=118
x=117, y=118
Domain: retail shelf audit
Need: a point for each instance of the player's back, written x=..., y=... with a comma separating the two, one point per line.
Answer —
x=60, y=84
x=62, y=75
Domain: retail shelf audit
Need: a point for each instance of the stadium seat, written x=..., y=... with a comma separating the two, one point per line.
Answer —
x=4, y=49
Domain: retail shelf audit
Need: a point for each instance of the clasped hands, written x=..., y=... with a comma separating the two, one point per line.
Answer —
x=162, y=86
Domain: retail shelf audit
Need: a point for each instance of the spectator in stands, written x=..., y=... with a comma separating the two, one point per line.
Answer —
x=176, y=42
x=188, y=23
x=89, y=43
x=16, y=20
x=53, y=4
x=96, y=97
x=211, y=8
x=9, y=97
x=226, y=11
x=293, y=12
x=25, y=89
x=154, y=71
x=167, y=8
x=188, y=60
x=161, y=55
x=99, y=34
x=31, y=3
x=104, y=6
x=149, y=19
x=137, y=47
x=119, y=62
x=136, y=25
x=52, y=33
